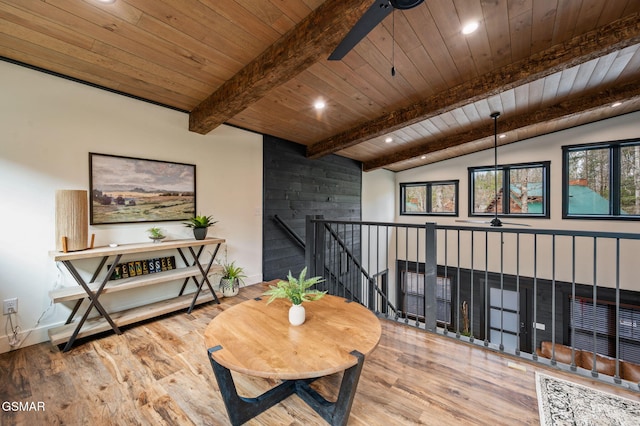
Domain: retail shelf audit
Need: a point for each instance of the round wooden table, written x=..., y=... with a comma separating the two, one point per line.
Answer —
x=256, y=339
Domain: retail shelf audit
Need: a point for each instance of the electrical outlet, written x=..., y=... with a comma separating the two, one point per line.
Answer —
x=10, y=306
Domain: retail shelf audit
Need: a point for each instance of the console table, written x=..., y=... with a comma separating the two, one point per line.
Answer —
x=256, y=339
x=92, y=289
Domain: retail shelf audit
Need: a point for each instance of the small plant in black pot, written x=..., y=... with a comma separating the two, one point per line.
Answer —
x=200, y=225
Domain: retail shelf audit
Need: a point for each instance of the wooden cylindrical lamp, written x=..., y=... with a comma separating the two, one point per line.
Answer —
x=72, y=220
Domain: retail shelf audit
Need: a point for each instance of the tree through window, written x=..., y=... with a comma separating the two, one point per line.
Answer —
x=526, y=186
x=429, y=198
x=602, y=180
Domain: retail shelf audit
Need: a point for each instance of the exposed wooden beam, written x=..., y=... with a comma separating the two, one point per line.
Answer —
x=564, y=109
x=313, y=38
x=599, y=42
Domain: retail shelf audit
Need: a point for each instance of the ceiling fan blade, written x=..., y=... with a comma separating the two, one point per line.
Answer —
x=493, y=222
x=372, y=17
x=515, y=224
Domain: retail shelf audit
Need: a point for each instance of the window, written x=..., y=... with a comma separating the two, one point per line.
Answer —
x=411, y=281
x=413, y=302
x=585, y=317
x=527, y=186
x=429, y=198
x=602, y=180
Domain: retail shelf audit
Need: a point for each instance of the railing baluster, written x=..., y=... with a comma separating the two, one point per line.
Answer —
x=519, y=325
x=501, y=291
x=553, y=284
x=486, y=288
x=458, y=305
x=406, y=268
x=573, y=303
x=472, y=308
x=424, y=288
x=617, y=371
x=594, y=371
x=446, y=266
x=535, y=299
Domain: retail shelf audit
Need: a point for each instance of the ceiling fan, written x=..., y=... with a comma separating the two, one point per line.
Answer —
x=495, y=221
x=379, y=10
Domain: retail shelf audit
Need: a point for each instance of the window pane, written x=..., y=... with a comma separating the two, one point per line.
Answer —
x=415, y=199
x=630, y=180
x=484, y=191
x=526, y=190
x=589, y=186
x=443, y=198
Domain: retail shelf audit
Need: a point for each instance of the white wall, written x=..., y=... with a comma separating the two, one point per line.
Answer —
x=378, y=196
x=49, y=125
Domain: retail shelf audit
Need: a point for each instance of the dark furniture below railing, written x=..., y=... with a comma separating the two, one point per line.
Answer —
x=584, y=359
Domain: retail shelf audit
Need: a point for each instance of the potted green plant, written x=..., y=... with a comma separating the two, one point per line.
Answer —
x=156, y=234
x=200, y=225
x=232, y=276
x=297, y=290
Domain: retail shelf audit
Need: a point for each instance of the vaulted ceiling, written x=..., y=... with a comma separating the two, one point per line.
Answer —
x=546, y=65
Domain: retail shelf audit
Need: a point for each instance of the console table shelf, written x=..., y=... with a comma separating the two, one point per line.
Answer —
x=60, y=335
x=72, y=293
x=193, y=270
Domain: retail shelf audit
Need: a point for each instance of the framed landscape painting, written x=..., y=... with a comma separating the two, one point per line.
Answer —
x=129, y=190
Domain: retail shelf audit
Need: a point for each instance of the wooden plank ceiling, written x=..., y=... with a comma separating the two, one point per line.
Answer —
x=546, y=65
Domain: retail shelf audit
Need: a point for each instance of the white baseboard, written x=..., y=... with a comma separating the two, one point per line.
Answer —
x=27, y=338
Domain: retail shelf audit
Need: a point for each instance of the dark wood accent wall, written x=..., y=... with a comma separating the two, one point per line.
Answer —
x=296, y=186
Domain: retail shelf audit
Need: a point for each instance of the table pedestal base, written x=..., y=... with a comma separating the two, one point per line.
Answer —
x=241, y=409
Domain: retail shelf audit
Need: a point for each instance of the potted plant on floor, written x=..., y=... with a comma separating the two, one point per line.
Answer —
x=232, y=276
x=200, y=225
x=297, y=290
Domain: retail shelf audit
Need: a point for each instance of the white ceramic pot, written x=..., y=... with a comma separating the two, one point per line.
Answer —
x=229, y=287
x=296, y=314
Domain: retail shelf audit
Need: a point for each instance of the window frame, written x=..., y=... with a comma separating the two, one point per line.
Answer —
x=626, y=344
x=429, y=185
x=614, y=148
x=506, y=168
x=446, y=281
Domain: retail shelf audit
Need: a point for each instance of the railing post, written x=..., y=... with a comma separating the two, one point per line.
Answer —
x=430, y=277
x=314, y=246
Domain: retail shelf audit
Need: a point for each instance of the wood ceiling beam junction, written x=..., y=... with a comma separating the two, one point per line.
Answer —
x=561, y=110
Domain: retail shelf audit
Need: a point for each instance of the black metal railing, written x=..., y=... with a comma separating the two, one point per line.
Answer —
x=563, y=298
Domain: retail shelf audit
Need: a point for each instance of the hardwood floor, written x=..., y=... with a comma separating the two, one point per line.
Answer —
x=157, y=373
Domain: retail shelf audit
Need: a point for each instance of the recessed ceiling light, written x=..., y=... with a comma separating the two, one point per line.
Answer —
x=319, y=104
x=423, y=157
x=106, y=1
x=389, y=139
x=470, y=27
x=616, y=104
x=502, y=136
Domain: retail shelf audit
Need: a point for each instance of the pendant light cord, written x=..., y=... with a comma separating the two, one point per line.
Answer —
x=393, y=42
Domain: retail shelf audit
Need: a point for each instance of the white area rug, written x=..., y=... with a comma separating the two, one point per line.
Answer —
x=564, y=403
